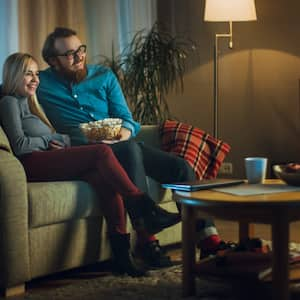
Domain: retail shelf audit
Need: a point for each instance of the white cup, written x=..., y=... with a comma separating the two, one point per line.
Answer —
x=256, y=168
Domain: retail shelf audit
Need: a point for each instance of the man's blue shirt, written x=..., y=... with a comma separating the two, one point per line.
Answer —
x=97, y=97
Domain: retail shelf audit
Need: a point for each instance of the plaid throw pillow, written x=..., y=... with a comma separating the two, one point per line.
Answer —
x=202, y=151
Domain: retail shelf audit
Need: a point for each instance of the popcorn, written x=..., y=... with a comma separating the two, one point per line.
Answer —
x=106, y=129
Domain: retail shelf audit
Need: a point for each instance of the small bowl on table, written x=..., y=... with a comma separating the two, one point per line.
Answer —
x=289, y=173
x=106, y=129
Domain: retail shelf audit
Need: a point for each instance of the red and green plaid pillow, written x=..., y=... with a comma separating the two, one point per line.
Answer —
x=203, y=152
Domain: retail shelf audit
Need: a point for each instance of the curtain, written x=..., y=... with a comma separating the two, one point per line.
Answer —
x=133, y=16
x=101, y=24
x=112, y=23
x=102, y=28
x=8, y=29
x=37, y=18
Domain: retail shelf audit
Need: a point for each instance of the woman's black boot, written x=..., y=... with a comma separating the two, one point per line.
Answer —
x=146, y=214
x=122, y=258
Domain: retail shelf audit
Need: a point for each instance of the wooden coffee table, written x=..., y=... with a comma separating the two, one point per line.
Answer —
x=276, y=209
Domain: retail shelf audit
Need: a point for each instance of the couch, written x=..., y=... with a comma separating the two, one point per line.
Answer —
x=49, y=227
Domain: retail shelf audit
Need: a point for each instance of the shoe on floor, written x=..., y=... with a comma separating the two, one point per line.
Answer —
x=153, y=255
x=251, y=244
x=221, y=248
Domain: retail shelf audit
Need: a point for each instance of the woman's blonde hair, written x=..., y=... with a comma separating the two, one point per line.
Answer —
x=14, y=69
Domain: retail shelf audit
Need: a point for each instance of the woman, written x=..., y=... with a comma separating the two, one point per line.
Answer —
x=47, y=155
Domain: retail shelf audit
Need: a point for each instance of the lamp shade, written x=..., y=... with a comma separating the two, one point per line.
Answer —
x=229, y=10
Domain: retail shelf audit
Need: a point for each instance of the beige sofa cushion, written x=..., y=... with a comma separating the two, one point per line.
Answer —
x=56, y=202
x=61, y=201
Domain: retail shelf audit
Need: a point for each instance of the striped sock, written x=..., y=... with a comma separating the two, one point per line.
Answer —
x=144, y=237
x=210, y=243
x=206, y=234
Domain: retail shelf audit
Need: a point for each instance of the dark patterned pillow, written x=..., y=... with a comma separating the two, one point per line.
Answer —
x=202, y=151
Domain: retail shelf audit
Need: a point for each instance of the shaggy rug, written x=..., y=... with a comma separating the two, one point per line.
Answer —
x=97, y=282
x=161, y=284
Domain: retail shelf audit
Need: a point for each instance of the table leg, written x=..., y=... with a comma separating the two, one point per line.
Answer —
x=280, y=264
x=246, y=230
x=188, y=251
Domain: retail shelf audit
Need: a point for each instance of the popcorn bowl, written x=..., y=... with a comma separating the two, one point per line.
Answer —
x=106, y=129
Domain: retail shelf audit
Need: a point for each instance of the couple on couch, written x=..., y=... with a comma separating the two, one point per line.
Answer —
x=72, y=92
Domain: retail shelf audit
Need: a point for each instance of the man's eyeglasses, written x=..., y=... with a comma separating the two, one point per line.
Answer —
x=72, y=53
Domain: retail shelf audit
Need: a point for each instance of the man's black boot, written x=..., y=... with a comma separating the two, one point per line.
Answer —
x=158, y=218
x=122, y=258
x=146, y=214
x=153, y=255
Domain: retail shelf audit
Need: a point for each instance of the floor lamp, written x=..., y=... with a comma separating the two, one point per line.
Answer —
x=225, y=11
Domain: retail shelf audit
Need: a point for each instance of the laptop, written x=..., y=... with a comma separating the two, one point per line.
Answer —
x=197, y=185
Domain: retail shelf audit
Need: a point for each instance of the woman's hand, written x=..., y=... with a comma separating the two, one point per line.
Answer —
x=55, y=145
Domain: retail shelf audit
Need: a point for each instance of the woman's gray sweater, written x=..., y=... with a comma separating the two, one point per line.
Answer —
x=25, y=131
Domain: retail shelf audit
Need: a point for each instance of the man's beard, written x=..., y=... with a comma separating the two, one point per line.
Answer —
x=73, y=76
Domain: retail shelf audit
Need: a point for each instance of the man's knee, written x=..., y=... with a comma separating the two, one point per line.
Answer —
x=128, y=151
x=131, y=148
x=185, y=171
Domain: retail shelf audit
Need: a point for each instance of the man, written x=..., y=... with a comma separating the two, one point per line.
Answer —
x=72, y=92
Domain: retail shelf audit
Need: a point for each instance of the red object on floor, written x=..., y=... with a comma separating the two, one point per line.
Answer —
x=211, y=242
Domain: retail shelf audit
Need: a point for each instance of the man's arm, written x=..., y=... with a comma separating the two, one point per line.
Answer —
x=118, y=108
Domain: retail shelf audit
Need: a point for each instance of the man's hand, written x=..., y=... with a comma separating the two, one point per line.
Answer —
x=125, y=134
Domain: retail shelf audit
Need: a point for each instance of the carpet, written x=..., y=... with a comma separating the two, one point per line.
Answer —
x=160, y=285
x=97, y=282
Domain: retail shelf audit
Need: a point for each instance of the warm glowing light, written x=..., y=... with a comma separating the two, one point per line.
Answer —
x=229, y=10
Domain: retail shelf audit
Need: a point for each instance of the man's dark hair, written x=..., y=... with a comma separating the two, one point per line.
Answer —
x=49, y=45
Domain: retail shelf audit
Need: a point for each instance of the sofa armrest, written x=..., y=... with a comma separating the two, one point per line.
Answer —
x=149, y=134
x=14, y=247
x=4, y=143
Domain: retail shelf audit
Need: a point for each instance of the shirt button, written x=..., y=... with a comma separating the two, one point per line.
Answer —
x=81, y=108
x=92, y=115
x=75, y=96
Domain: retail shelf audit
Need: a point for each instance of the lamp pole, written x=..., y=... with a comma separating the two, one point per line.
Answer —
x=225, y=11
x=216, y=75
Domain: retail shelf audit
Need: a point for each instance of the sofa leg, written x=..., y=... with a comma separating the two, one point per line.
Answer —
x=14, y=290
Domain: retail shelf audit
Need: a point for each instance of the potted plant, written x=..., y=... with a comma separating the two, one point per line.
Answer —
x=151, y=65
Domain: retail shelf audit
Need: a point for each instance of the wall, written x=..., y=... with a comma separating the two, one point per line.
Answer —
x=259, y=79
